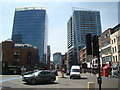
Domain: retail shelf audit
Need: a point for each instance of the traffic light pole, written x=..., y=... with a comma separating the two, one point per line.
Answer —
x=98, y=56
x=99, y=78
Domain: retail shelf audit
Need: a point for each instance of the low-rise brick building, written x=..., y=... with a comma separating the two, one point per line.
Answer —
x=22, y=55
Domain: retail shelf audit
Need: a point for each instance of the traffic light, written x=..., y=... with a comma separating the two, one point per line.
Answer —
x=88, y=44
x=95, y=46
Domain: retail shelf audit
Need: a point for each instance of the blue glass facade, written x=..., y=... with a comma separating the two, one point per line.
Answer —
x=30, y=26
x=79, y=25
x=57, y=58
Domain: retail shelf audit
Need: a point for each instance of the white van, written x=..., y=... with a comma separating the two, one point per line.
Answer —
x=75, y=72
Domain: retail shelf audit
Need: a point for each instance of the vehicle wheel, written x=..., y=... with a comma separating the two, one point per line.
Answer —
x=51, y=80
x=71, y=77
x=79, y=77
x=33, y=81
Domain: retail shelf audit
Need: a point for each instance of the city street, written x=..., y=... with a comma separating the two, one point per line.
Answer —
x=15, y=81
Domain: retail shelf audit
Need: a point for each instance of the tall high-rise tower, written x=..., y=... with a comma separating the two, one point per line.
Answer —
x=57, y=59
x=30, y=26
x=81, y=23
x=48, y=56
x=118, y=12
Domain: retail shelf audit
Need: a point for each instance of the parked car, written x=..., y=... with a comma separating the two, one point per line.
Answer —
x=39, y=76
x=115, y=72
x=75, y=72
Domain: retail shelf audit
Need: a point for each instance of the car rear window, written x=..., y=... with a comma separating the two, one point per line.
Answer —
x=75, y=70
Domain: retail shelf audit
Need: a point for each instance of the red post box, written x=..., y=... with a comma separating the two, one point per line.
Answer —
x=105, y=71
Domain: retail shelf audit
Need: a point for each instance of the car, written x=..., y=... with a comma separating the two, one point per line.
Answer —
x=115, y=72
x=39, y=77
x=55, y=72
x=26, y=73
x=75, y=72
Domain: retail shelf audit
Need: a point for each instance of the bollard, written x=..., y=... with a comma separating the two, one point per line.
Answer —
x=62, y=75
x=91, y=86
x=57, y=78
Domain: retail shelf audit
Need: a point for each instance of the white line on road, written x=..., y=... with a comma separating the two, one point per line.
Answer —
x=10, y=79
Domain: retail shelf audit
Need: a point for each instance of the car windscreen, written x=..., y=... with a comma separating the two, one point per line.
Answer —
x=75, y=70
x=28, y=72
x=36, y=73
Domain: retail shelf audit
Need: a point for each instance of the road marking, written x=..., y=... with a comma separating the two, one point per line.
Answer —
x=9, y=79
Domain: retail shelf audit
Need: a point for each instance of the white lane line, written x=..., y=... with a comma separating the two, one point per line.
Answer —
x=10, y=79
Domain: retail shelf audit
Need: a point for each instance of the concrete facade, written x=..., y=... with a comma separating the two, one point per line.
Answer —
x=109, y=45
x=105, y=45
x=115, y=46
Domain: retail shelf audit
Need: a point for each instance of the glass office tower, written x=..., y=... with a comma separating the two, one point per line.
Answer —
x=57, y=59
x=30, y=26
x=81, y=23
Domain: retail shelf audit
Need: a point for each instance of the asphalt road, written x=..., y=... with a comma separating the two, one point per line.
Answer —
x=10, y=82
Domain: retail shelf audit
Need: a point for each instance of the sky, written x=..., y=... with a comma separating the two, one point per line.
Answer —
x=58, y=16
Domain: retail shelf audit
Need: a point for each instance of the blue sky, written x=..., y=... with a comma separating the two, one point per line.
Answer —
x=58, y=16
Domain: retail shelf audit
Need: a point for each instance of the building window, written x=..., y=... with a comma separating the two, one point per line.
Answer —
x=116, y=58
x=113, y=59
x=119, y=48
x=107, y=59
x=114, y=40
x=115, y=49
x=16, y=53
x=16, y=58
